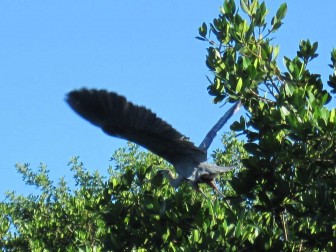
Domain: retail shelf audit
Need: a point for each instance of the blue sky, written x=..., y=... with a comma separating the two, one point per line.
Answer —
x=145, y=50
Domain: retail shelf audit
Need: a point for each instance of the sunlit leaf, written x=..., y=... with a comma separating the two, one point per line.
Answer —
x=244, y=7
x=239, y=85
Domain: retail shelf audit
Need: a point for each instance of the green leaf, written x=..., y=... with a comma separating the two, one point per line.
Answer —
x=333, y=57
x=276, y=50
x=286, y=61
x=259, y=18
x=239, y=85
x=254, y=6
x=246, y=62
x=249, y=32
x=315, y=46
x=238, y=126
x=281, y=13
x=276, y=26
x=333, y=116
x=289, y=89
x=245, y=7
x=196, y=235
x=200, y=38
x=203, y=30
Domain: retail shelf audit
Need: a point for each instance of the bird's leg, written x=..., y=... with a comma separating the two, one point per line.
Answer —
x=196, y=187
x=213, y=185
x=201, y=191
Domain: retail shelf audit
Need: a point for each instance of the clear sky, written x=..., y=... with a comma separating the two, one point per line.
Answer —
x=145, y=50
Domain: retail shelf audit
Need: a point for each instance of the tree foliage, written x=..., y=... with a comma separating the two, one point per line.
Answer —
x=290, y=171
x=281, y=197
x=133, y=209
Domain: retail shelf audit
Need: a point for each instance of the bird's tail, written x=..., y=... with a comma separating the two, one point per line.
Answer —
x=215, y=168
x=221, y=169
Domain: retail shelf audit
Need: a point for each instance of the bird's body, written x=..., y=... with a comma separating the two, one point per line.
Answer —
x=119, y=118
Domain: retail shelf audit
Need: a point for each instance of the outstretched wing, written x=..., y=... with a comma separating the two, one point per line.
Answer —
x=119, y=118
x=213, y=132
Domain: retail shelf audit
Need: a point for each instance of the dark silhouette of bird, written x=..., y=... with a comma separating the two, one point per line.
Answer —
x=120, y=118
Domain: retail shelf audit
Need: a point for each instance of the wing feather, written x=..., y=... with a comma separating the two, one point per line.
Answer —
x=119, y=118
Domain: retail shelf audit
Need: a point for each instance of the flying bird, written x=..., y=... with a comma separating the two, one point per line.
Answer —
x=120, y=118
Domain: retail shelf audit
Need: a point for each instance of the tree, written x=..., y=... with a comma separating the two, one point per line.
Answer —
x=133, y=209
x=281, y=197
x=289, y=176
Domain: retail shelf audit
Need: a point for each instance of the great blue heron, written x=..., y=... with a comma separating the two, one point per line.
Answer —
x=119, y=118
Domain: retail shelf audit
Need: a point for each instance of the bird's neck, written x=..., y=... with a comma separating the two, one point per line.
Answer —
x=175, y=182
